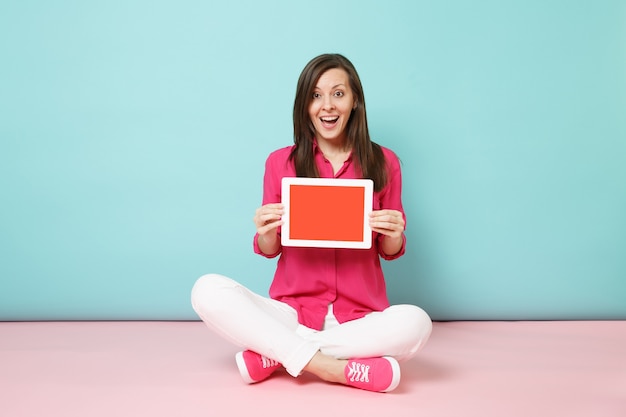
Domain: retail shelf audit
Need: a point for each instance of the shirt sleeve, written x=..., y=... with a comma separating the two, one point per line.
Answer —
x=271, y=194
x=391, y=198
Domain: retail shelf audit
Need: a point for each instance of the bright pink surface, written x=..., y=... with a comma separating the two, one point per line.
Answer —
x=158, y=369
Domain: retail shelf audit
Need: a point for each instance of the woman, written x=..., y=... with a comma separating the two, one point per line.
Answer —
x=328, y=312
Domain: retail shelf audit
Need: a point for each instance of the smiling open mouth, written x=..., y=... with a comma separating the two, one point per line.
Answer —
x=329, y=120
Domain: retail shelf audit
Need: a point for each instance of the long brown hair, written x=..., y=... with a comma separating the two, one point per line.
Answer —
x=367, y=155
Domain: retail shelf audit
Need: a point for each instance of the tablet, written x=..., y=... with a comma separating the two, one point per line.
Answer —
x=327, y=212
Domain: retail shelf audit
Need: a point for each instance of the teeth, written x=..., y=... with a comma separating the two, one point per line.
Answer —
x=329, y=119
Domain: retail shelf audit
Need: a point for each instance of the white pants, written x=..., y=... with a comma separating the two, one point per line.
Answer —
x=270, y=327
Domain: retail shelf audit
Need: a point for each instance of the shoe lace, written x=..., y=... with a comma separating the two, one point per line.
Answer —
x=358, y=372
x=267, y=362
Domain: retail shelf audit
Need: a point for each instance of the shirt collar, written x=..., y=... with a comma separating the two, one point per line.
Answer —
x=317, y=150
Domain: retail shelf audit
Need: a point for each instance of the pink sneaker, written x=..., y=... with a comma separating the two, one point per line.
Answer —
x=254, y=367
x=374, y=374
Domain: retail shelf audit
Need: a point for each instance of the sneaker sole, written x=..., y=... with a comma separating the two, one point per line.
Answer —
x=395, y=366
x=243, y=369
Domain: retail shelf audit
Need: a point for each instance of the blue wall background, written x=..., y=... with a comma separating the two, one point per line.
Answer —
x=134, y=133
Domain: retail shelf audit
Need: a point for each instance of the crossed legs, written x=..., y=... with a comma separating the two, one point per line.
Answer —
x=270, y=328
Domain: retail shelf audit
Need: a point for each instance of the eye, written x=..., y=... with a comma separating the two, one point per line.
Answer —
x=316, y=95
x=339, y=93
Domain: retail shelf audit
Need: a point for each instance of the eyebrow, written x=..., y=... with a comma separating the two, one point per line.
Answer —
x=334, y=86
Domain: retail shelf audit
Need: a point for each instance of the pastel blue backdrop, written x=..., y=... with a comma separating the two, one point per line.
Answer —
x=134, y=133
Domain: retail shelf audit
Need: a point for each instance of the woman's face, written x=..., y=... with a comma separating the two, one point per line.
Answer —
x=331, y=105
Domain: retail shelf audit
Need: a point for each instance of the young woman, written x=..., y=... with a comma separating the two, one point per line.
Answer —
x=328, y=312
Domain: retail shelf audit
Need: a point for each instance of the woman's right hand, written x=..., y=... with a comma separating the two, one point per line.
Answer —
x=267, y=219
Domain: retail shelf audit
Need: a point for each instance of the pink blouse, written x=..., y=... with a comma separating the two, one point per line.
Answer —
x=309, y=279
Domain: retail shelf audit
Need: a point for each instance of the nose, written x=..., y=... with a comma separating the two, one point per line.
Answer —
x=328, y=103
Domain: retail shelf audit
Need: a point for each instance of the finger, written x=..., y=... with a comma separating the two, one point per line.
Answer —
x=266, y=219
x=274, y=206
x=387, y=232
x=270, y=210
x=389, y=219
x=267, y=212
x=385, y=214
x=269, y=227
x=390, y=228
x=386, y=228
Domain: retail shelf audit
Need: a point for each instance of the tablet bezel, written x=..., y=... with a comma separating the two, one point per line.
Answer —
x=366, y=184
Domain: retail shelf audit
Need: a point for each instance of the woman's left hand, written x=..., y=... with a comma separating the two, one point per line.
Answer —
x=387, y=222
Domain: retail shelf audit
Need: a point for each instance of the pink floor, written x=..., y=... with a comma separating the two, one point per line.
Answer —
x=155, y=369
